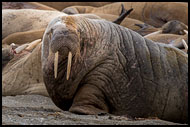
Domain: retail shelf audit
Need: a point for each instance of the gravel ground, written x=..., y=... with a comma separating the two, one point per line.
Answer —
x=40, y=110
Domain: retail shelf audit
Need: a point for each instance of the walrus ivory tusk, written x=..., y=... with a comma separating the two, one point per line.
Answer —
x=69, y=64
x=20, y=48
x=185, y=44
x=12, y=44
x=186, y=31
x=157, y=32
x=33, y=44
x=56, y=63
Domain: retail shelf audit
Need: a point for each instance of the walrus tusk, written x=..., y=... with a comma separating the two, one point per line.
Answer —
x=33, y=44
x=185, y=44
x=56, y=63
x=12, y=44
x=69, y=64
x=21, y=48
x=186, y=31
x=157, y=32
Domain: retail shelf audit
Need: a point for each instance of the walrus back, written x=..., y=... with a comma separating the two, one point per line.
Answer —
x=163, y=80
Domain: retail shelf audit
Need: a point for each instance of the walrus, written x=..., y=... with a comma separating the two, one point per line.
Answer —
x=152, y=13
x=21, y=20
x=171, y=39
x=21, y=72
x=92, y=66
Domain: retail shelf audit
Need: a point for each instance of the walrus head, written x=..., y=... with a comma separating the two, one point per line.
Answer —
x=174, y=27
x=62, y=39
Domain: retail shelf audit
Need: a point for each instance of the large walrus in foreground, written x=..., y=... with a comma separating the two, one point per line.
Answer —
x=94, y=66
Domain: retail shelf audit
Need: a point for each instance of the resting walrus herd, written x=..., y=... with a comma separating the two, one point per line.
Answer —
x=88, y=64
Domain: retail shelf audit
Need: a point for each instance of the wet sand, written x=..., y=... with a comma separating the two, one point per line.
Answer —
x=40, y=110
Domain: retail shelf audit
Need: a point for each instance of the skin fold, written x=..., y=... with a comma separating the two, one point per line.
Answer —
x=114, y=70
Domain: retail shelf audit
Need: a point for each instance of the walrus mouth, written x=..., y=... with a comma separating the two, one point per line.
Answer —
x=68, y=64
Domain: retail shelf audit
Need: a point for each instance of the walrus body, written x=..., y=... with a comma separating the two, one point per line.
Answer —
x=167, y=38
x=114, y=70
x=25, y=20
x=23, y=75
x=152, y=13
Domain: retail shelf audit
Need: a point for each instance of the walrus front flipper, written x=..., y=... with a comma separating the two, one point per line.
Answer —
x=90, y=103
x=124, y=13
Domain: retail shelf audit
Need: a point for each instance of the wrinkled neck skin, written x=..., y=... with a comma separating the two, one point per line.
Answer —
x=95, y=46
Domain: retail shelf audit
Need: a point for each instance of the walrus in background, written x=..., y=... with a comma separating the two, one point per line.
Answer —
x=167, y=38
x=21, y=20
x=21, y=71
x=171, y=27
x=23, y=37
x=26, y=5
x=152, y=13
x=61, y=5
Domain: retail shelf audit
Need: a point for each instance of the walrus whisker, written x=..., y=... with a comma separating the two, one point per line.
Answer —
x=21, y=48
x=56, y=63
x=69, y=64
x=157, y=32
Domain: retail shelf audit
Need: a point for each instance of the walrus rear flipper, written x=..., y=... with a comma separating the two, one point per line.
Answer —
x=124, y=13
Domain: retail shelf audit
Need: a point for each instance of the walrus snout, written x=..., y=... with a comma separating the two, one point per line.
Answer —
x=63, y=42
x=62, y=38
